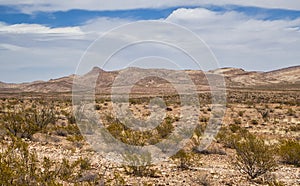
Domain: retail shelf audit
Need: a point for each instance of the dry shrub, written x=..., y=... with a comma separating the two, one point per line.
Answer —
x=254, y=157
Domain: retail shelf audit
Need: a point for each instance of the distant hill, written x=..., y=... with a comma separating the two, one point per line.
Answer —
x=282, y=79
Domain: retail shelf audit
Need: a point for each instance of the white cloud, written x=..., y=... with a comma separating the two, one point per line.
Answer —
x=236, y=39
x=31, y=51
x=102, y=25
x=38, y=29
x=243, y=41
x=10, y=47
x=54, y=5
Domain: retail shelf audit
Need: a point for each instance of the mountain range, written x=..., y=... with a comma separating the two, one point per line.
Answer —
x=235, y=78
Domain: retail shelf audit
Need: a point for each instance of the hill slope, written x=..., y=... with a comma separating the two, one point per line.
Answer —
x=287, y=78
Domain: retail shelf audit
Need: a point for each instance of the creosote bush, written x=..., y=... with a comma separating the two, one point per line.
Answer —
x=289, y=151
x=186, y=159
x=202, y=180
x=19, y=166
x=24, y=122
x=254, y=157
x=140, y=138
x=139, y=165
x=231, y=135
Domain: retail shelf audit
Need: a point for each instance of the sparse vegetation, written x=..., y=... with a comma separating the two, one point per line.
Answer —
x=138, y=165
x=230, y=136
x=24, y=122
x=290, y=112
x=57, y=153
x=202, y=180
x=254, y=122
x=254, y=157
x=186, y=159
x=289, y=151
x=19, y=166
x=237, y=121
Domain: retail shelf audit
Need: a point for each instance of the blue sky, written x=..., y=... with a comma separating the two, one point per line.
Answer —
x=40, y=41
x=77, y=17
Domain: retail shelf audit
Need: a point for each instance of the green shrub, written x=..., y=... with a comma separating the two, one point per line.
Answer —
x=166, y=127
x=237, y=121
x=19, y=166
x=24, y=122
x=71, y=119
x=117, y=179
x=97, y=107
x=230, y=137
x=265, y=115
x=139, y=165
x=241, y=113
x=186, y=159
x=254, y=122
x=235, y=128
x=289, y=151
x=204, y=119
x=290, y=112
x=254, y=157
x=202, y=180
x=75, y=138
x=140, y=138
x=295, y=128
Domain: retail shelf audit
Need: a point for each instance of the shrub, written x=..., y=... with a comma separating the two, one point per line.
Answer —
x=166, y=127
x=230, y=137
x=235, y=128
x=295, y=128
x=97, y=107
x=186, y=159
x=19, y=166
x=290, y=112
x=254, y=157
x=198, y=132
x=265, y=115
x=139, y=165
x=204, y=119
x=237, y=121
x=71, y=119
x=241, y=113
x=290, y=152
x=26, y=122
x=254, y=122
x=202, y=180
x=140, y=138
x=117, y=179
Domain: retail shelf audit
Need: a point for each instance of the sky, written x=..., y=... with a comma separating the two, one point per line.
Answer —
x=44, y=40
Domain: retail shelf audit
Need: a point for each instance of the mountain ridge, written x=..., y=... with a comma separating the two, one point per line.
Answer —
x=234, y=78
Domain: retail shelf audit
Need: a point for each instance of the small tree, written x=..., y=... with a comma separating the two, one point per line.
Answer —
x=254, y=157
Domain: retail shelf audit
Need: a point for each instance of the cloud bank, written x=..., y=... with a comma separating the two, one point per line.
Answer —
x=56, y=5
x=32, y=51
